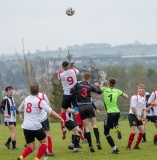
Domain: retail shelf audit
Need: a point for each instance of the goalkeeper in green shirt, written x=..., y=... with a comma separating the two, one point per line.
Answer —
x=110, y=96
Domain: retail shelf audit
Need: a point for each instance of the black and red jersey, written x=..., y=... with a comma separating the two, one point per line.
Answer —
x=83, y=92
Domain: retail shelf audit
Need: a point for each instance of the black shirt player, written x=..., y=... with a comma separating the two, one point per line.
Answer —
x=83, y=93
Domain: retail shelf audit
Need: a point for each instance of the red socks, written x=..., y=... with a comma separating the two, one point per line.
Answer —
x=78, y=119
x=140, y=135
x=41, y=150
x=131, y=138
x=49, y=144
x=26, y=152
x=156, y=136
x=63, y=115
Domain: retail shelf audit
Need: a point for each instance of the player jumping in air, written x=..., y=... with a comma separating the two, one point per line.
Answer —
x=68, y=80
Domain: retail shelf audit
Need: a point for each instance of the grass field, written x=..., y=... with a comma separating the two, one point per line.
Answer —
x=148, y=151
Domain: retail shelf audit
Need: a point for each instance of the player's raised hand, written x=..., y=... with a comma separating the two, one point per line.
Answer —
x=103, y=76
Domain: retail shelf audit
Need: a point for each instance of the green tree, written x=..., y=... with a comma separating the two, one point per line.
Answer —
x=151, y=72
x=121, y=75
x=137, y=70
x=57, y=92
x=91, y=68
x=69, y=58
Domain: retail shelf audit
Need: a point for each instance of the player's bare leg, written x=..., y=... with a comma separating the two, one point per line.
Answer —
x=12, y=128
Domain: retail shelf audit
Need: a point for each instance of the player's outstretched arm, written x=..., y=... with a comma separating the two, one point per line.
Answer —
x=73, y=89
x=125, y=95
x=54, y=114
x=153, y=103
x=149, y=107
x=96, y=89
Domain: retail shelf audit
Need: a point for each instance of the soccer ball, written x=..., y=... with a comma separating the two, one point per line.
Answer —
x=70, y=11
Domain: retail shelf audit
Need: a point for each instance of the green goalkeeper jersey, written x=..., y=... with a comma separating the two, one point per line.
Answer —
x=110, y=99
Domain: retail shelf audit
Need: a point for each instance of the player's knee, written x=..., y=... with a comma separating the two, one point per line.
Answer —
x=133, y=131
x=32, y=146
x=14, y=132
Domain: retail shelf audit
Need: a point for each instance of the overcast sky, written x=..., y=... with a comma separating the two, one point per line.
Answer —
x=44, y=23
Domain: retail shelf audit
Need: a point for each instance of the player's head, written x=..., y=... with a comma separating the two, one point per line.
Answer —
x=9, y=90
x=141, y=89
x=86, y=77
x=34, y=89
x=65, y=65
x=111, y=82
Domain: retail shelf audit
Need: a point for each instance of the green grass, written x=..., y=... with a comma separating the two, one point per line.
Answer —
x=148, y=151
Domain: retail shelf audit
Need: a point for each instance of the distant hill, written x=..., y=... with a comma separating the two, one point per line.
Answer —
x=93, y=49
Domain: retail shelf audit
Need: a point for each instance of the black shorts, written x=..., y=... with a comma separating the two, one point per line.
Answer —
x=134, y=121
x=74, y=102
x=30, y=135
x=66, y=102
x=45, y=125
x=86, y=111
x=10, y=123
x=70, y=125
x=111, y=120
x=152, y=118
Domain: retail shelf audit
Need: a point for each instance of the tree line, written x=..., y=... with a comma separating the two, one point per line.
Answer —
x=29, y=69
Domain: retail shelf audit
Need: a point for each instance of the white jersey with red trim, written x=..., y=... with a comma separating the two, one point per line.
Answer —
x=153, y=98
x=68, y=79
x=32, y=107
x=138, y=102
x=43, y=115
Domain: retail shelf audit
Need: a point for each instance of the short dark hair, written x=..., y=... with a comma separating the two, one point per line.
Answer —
x=65, y=63
x=8, y=87
x=34, y=89
x=112, y=82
